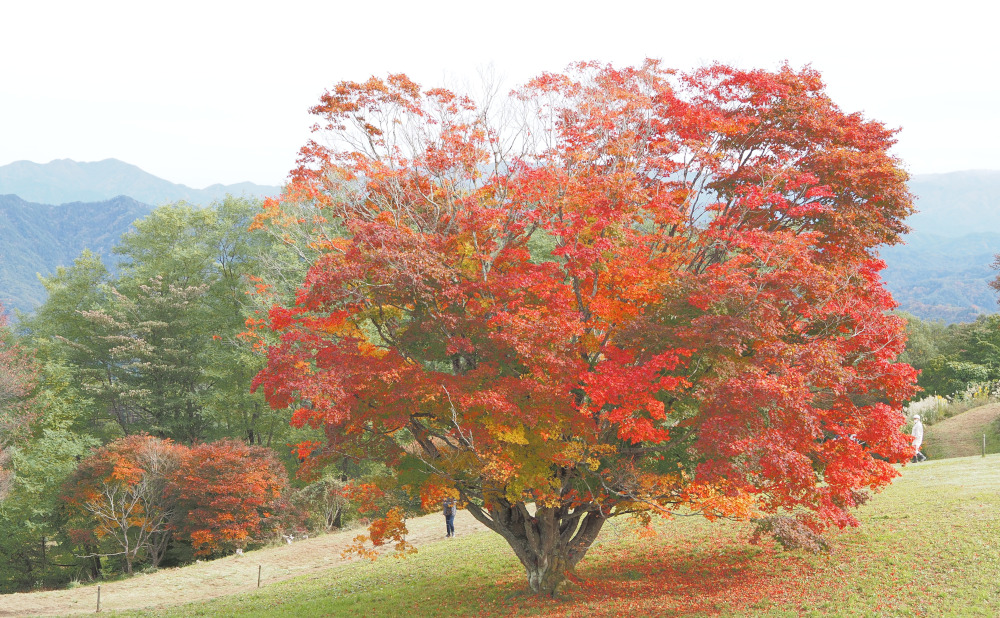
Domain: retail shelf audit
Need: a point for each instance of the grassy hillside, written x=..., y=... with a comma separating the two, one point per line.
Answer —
x=926, y=547
x=962, y=435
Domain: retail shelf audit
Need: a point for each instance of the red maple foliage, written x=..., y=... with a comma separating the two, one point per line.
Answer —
x=227, y=494
x=620, y=291
x=129, y=498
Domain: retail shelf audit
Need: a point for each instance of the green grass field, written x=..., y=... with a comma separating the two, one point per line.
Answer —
x=927, y=546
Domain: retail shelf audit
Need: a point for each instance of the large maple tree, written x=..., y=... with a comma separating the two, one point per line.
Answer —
x=616, y=291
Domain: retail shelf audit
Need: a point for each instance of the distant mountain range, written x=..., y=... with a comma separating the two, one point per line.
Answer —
x=940, y=273
x=943, y=270
x=943, y=278
x=36, y=238
x=64, y=180
x=98, y=202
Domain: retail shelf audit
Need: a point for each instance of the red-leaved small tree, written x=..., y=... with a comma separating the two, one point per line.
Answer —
x=117, y=500
x=227, y=494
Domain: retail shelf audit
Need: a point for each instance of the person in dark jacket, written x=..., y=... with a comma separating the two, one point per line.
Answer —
x=450, y=508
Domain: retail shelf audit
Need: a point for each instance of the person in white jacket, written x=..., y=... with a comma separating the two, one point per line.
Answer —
x=918, y=438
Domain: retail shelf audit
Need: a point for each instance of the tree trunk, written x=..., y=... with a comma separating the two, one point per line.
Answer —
x=93, y=564
x=337, y=523
x=549, y=543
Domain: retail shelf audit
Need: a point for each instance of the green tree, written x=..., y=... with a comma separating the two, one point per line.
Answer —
x=952, y=357
x=212, y=249
x=156, y=348
x=50, y=437
x=17, y=383
x=63, y=335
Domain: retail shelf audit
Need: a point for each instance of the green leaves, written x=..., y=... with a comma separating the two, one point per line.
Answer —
x=156, y=348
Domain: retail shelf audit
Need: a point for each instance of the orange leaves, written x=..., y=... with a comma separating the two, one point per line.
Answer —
x=715, y=500
x=433, y=494
x=388, y=526
x=227, y=494
x=281, y=318
x=382, y=531
x=668, y=296
x=303, y=416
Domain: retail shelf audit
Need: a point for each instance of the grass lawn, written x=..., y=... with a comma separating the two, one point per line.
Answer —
x=927, y=546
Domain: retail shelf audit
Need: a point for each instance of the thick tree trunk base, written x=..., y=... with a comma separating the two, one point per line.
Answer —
x=549, y=543
x=547, y=580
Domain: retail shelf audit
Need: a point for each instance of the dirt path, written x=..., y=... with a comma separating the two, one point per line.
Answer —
x=962, y=435
x=217, y=578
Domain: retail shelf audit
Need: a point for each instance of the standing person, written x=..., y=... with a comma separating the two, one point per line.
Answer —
x=918, y=438
x=450, y=508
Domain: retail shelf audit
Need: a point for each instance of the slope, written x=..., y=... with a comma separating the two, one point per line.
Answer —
x=926, y=547
x=962, y=434
x=217, y=578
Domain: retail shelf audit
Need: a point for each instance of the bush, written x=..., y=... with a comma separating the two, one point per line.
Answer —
x=229, y=495
x=128, y=500
x=936, y=408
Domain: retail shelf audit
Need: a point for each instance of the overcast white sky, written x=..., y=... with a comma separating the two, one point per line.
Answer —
x=205, y=92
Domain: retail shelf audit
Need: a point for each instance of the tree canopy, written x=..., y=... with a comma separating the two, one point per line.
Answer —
x=18, y=377
x=616, y=291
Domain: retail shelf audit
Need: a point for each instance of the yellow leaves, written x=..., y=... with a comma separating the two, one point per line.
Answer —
x=591, y=342
x=582, y=454
x=499, y=471
x=373, y=351
x=510, y=435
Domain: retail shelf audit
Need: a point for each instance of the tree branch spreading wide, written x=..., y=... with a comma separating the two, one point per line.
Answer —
x=617, y=291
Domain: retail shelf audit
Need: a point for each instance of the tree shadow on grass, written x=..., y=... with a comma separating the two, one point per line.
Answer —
x=708, y=579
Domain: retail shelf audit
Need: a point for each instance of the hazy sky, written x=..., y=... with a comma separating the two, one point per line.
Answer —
x=205, y=92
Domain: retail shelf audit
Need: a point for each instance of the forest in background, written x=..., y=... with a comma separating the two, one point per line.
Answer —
x=129, y=437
